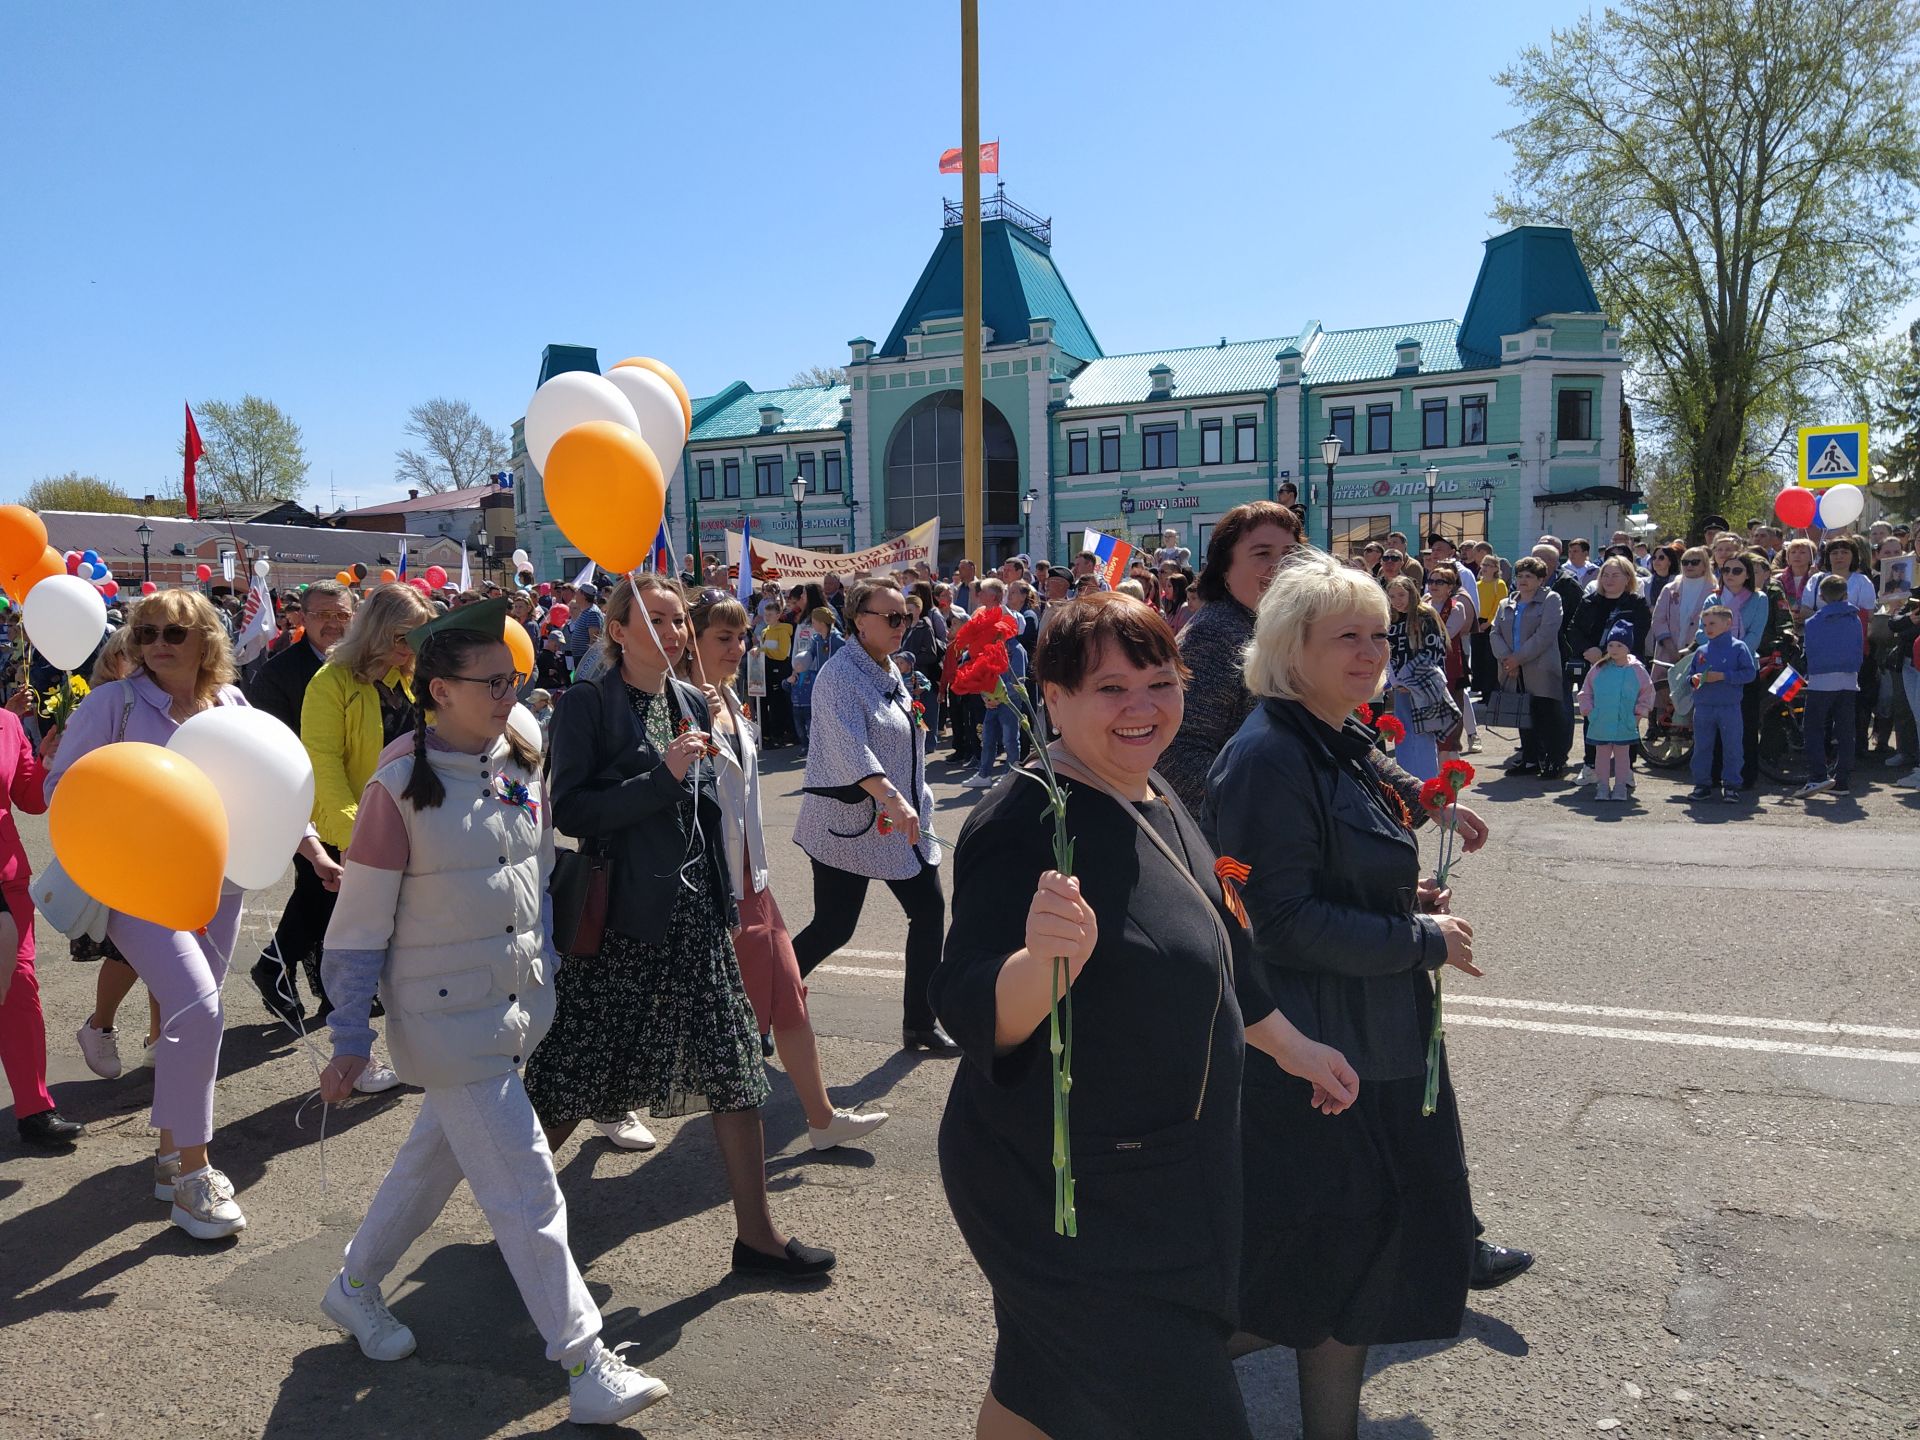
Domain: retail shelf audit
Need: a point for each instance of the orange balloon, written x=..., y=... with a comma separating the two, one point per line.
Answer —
x=23, y=535
x=520, y=646
x=50, y=562
x=606, y=493
x=345, y=577
x=666, y=374
x=131, y=788
x=387, y=577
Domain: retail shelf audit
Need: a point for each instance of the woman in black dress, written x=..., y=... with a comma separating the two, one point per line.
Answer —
x=1121, y=1330
x=659, y=1017
x=1359, y=1231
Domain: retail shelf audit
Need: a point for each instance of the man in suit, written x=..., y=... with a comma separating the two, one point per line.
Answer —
x=326, y=609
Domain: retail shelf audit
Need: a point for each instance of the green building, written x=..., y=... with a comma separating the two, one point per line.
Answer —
x=1506, y=423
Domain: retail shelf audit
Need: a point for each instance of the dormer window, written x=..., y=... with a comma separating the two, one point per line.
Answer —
x=1160, y=380
x=771, y=416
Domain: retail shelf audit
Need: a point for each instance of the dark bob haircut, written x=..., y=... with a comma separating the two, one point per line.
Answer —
x=1077, y=635
x=1212, y=584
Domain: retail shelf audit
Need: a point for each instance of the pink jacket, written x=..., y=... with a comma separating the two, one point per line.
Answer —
x=21, y=782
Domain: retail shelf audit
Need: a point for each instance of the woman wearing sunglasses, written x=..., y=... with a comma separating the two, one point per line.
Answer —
x=865, y=793
x=183, y=665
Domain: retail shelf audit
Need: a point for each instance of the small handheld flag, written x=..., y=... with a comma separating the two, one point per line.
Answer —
x=1111, y=555
x=661, y=559
x=1787, y=684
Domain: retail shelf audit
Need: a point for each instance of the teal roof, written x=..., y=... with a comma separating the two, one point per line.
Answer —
x=1528, y=272
x=1018, y=282
x=1343, y=356
x=1245, y=365
x=807, y=407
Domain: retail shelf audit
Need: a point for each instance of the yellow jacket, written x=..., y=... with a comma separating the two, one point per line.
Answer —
x=340, y=726
x=1492, y=592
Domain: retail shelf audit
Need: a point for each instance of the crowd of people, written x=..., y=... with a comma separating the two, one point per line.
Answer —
x=1295, y=1193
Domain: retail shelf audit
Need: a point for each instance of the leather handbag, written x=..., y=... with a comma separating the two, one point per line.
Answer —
x=579, y=890
x=1509, y=709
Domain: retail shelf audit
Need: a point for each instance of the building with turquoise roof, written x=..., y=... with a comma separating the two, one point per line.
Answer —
x=1515, y=411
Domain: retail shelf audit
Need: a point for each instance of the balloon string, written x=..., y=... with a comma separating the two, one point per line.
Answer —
x=697, y=844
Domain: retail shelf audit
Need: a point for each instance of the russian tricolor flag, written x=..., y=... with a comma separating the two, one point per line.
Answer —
x=661, y=558
x=1111, y=554
x=1787, y=684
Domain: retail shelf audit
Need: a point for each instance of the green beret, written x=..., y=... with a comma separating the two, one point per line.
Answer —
x=486, y=618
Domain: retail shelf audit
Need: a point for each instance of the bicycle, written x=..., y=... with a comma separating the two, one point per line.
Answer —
x=1668, y=743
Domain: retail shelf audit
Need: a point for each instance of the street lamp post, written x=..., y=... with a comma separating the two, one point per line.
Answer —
x=1433, y=483
x=1026, y=521
x=799, y=488
x=1487, y=487
x=1330, y=456
x=145, y=532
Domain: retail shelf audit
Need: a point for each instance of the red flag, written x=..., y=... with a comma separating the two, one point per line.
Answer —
x=989, y=159
x=194, y=451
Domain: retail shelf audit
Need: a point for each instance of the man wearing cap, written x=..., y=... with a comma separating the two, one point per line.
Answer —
x=583, y=627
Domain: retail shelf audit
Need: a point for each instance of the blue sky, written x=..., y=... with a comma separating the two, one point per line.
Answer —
x=350, y=208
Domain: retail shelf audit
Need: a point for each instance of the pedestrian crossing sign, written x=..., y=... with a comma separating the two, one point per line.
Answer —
x=1832, y=455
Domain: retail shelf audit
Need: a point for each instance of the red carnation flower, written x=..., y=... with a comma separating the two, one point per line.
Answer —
x=1390, y=726
x=1365, y=712
x=985, y=627
x=981, y=674
x=1434, y=794
x=1457, y=773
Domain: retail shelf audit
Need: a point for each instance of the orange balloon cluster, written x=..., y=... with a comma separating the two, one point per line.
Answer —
x=131, y=788
x=605, y=487
x=25, y=557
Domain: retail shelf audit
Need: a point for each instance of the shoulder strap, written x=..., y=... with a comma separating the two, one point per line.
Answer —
x=126, y=711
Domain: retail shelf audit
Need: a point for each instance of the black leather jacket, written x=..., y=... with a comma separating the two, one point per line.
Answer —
x=611, y=790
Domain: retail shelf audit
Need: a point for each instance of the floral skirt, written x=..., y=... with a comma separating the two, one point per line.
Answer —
x=663, y=1027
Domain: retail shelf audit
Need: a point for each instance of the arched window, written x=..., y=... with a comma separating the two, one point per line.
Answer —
x=924, y=477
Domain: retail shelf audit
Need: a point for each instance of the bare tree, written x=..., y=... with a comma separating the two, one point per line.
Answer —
x=461, y=449
x=819, y=375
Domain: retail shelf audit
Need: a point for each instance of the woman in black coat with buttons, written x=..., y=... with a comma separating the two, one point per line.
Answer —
x=1359, y=1230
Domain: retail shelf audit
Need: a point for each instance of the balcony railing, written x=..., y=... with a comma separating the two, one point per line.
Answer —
x=998, y=207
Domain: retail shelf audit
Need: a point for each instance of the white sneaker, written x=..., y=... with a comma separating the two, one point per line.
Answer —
x=605, y=1389
x=1811, y=788
x=204, y=1207
x=359, y=1310
x=1911, y=782
x=977, y=782
x=1473, y=745
x=101, y=1050
x=846, y=1125
x=1585, y=777
x=375, y=1079
x=627, y=1132
x=166, y=1174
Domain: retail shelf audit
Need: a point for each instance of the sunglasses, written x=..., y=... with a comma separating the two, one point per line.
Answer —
x=895, y=618
x=172, y=634
x=498, y=686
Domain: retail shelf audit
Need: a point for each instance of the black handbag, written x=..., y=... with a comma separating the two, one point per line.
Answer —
x=579, y=890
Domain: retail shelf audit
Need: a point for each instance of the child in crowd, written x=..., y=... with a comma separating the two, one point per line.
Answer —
x=1000, y=724
x=443, y=909
x=540, y=703
x=1835, y=645
x=813, y=648
x=1617, y=696
x=1720, y=670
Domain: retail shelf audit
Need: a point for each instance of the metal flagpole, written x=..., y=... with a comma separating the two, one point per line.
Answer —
x=973, y=490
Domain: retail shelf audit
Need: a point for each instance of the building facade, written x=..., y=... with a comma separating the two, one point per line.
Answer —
x=1506, y=423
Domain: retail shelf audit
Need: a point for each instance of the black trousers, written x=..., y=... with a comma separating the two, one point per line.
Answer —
x=838, y=896
x=965, y=712
x=303, y=924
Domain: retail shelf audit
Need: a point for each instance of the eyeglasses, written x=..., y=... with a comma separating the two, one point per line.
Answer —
x=498, y=686
x=895, y=618
x=172, y=634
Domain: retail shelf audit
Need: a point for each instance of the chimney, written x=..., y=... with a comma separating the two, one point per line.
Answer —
x=1160, y=379
x=413, y=494
x=770, y=417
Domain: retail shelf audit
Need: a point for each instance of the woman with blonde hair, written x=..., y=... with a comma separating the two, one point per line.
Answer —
x=356, y=705
x=184, y=665
x=1417, y=676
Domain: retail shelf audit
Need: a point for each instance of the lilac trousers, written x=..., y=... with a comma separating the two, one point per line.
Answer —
x=184, y=971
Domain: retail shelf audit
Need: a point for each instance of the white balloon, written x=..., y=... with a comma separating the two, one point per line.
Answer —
x=86, y=571
x=663, y=424
x=261, y=568
x=1841, y=505
x=524, y=723
x=522, y=560
x=66, y=619
x=572, y=398
x=265, y=780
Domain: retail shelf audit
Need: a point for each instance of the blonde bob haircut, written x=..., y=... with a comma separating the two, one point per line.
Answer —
x=366, y=650
x=193, y=610
x=1309, y=588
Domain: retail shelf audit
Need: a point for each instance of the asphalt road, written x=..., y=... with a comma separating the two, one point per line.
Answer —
x=1689, y=1081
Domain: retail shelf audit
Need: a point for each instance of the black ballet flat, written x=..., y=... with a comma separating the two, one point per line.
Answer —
x=797, y=1262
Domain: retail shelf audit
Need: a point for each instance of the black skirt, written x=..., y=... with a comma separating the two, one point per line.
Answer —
x=1359, y=1227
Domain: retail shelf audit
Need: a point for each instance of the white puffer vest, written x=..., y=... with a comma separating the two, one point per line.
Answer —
x=466, y=987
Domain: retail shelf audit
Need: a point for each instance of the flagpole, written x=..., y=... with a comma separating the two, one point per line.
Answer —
x=972, y=410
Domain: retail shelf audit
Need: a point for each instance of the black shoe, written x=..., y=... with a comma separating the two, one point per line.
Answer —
x=1522, y=769
x=49, y=1131
x=275, y=983
x=766, y=1045
x=1494, y=1265
x=799, y=1262
x=1553, y=772
x=1700, y=792
x=935, y=1040
x=1730, y=795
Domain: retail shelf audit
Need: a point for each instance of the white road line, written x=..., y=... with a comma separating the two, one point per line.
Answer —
x=859, y=969
x=1680, y=1037
x=1681, y=1017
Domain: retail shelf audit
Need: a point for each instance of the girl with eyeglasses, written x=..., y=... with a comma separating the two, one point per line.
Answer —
x=184, y=665
x=866, y=792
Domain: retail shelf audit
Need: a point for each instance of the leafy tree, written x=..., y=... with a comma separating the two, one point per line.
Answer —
x=74, y=491
x=253, y=454
x=1741, y=178
x=461, y=449
x=1898, y=421
x=819, y=375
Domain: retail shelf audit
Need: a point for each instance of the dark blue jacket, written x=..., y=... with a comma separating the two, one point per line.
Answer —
x=1731, y=658
x=1834, y=641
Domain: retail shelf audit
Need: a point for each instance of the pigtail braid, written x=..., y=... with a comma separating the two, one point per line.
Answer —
x=424, y=789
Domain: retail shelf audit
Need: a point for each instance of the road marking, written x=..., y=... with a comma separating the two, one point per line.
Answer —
x=1681, y=1037
x=1606, y=1032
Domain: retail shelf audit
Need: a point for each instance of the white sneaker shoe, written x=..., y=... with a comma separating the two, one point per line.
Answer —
x=204, y=1207
x=1585, y=777
x=1910, y=782
x=1473, y=745
x=977, y=782
x=846, y=1125
x=166, y=1174
x=375, y=1079
x=361, y=1312
x=605, y=1389
x=627, y=1132
x=1811, y=788
x=101, y=1050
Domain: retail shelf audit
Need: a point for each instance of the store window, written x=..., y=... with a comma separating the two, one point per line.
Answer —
x=1459, y=526
x=1160, y=446
x=1352, y=532
x=1210, y=442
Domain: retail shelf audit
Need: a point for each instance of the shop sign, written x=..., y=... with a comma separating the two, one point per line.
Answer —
x=1161, y=502
x=1387, y=489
